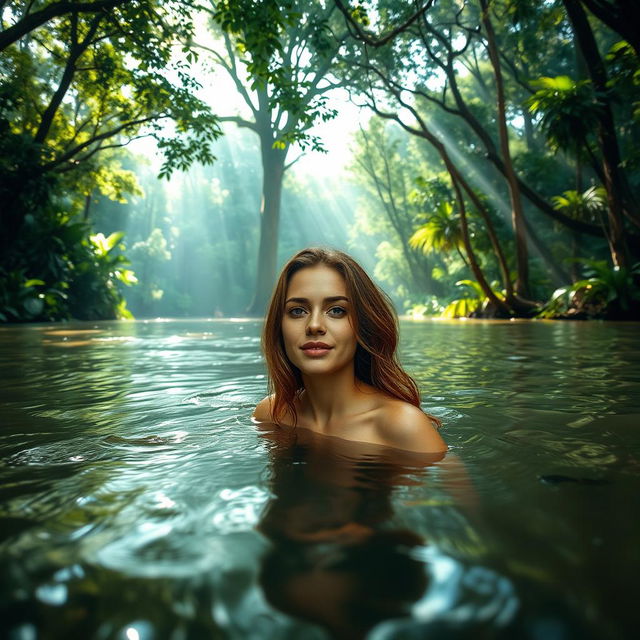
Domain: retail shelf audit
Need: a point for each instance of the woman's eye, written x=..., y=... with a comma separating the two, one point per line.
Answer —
x=296, y=312
x=337, y=312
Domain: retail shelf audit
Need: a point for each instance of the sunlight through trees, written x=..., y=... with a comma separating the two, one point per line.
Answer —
x=501, y=150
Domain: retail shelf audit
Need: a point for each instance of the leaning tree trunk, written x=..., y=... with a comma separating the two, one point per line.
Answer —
x=272, y=174
x=500, y=306
x=517, y=215
x=517, y=305
x=419, y=278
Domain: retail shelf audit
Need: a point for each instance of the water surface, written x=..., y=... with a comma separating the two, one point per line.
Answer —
x=139, y=501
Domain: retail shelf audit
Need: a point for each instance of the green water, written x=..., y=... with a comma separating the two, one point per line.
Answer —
x=139, y=501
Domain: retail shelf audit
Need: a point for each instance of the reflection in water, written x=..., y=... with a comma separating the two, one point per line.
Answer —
x=339, y=559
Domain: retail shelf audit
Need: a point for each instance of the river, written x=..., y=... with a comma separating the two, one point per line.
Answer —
x=139, y=501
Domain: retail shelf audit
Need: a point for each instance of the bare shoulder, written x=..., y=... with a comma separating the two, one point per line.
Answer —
x=262, y=412
x=404, y=426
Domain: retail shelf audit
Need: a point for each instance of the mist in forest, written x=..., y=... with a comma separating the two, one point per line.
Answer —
x=192, y=241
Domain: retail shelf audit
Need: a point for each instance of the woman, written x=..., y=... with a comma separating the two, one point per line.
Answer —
x=329, y=341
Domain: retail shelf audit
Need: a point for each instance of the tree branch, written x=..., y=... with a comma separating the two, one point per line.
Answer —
x=241, y=122
x=34, y=20
x=360, y=34
x=230, y=67
x=98, y=148
x=290, y=164
x=76, y=50
x=102, y=136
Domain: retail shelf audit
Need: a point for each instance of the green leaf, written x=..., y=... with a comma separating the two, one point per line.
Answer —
x=113, y=239
x=33, y=282
x=473, y=285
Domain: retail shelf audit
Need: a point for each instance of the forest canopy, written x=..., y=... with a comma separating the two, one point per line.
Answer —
x=495, y=173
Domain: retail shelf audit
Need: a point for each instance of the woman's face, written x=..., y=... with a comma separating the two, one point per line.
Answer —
x=317, y=323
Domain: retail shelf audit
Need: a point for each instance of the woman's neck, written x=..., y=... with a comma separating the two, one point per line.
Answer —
x=330, y=397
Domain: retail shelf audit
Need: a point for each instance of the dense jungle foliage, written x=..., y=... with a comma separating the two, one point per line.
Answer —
x=497, y=175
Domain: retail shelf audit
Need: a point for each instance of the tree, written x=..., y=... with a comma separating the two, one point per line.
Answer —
x=388, y=172
x=621, y=16
x=620, y=200
x=91, y=81
x=279, y=56
x=459, y=185
x=459, y=58
x=27, y=20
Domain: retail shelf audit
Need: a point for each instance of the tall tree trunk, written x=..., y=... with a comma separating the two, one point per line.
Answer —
x=273, y=166
x=514, y=303
x=622, y=16
x=517, y=215
x=425, y=133
x=500, y=305
x=614, y=179
x=495, y=158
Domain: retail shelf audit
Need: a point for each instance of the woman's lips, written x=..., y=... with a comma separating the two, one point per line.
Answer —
x=315, y=349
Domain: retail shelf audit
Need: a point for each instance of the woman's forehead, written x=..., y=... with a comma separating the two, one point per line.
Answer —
x=317, y=281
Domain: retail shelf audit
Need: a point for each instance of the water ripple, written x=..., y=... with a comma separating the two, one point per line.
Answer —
x=129, y=465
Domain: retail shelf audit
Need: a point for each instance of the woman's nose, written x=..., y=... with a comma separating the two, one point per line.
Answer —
x=315, y=325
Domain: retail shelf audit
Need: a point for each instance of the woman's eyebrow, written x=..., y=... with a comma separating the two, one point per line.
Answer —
x=336, y=299
x=330, y=299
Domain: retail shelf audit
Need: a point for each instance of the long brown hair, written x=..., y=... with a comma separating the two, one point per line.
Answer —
x=374, y=323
